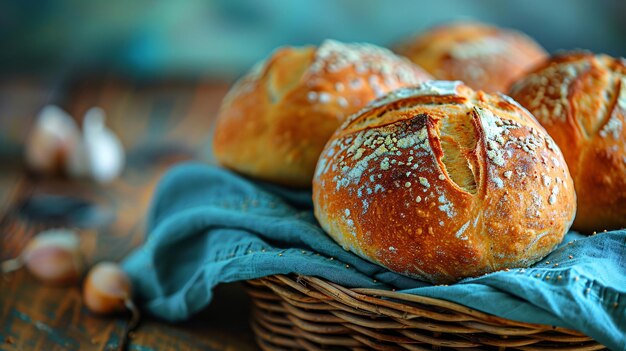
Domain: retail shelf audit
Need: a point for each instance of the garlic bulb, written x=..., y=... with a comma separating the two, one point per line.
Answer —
x=53, y=256
x=54, y=136
x=99, y=154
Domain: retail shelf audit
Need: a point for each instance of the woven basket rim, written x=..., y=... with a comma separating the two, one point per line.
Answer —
x=298, y=311
x=392, y=294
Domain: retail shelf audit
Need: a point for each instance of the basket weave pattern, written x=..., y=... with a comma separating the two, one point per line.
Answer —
x=308, y=313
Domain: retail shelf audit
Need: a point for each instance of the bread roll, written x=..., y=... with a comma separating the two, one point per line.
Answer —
x=275, y=121
x=580, y=98
x=440, y=182
x=484, y=57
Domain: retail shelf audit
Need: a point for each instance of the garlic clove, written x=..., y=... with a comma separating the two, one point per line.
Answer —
x=54, y=265
x=52, y=256
x=107, y=289
x=101, y=154
x=52, y=139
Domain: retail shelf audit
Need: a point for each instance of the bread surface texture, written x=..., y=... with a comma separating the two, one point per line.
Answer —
x=274, y=122
x=440, y=182
x=482, y=56
x=580, y=99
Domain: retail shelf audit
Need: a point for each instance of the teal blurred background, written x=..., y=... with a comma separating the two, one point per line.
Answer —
x=164, y=63
x=220, y=39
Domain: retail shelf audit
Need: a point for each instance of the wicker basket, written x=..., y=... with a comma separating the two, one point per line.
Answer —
x=301, y=312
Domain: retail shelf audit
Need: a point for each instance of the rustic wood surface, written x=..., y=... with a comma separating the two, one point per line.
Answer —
x=159, y=124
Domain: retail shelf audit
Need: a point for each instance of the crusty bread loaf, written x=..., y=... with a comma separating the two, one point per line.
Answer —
x=580, y=98
x=275, y=121
x=440, y=182
x=484, y=57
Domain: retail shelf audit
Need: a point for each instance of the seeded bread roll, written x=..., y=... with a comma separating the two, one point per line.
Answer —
x=580, y=98
x=484, y=57
x=275, y=121
x=440, y=182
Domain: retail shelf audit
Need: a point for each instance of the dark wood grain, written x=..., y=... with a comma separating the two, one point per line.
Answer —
x=160, y=124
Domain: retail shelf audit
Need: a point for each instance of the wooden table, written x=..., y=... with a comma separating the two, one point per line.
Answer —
x=160, y=124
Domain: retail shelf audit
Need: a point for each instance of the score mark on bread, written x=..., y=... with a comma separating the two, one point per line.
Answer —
x=451, y=179
x=275, y=121
x=580, y=98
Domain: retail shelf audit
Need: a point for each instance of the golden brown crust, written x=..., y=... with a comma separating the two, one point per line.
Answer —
x=275, y=121
x=580, y=98
x=484, y=57
x=440, y=183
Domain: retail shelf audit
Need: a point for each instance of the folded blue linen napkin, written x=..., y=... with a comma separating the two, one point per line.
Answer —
x=208, y=226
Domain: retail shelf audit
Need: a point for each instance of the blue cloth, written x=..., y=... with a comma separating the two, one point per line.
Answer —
x=208, y=226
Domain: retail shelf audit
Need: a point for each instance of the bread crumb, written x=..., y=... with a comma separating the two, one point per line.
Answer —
x=499, y=183
x=324, y=98
x=384, y=164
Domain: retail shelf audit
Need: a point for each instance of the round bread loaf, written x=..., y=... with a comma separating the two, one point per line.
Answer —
x=440, y=182
x=484, y=57
x=275, y=121
x=580, y=98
